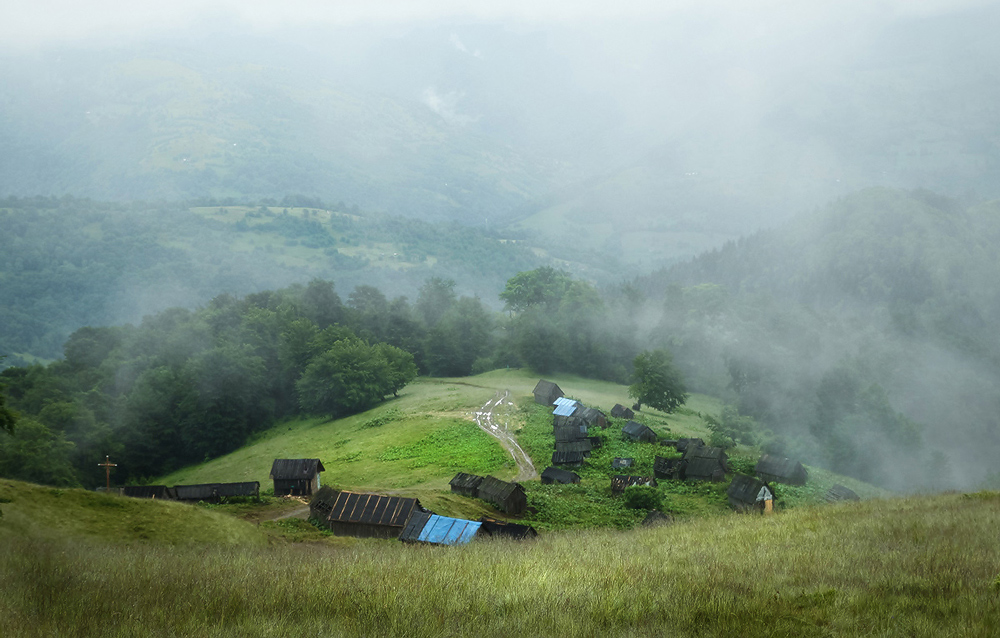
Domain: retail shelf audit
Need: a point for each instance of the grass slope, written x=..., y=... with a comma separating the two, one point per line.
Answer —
x=37, y=512
x=919, y=566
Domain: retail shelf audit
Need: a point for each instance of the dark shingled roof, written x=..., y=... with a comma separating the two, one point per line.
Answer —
x=575, y=446
x=290, y=469
x=466, y=481
x=503, y=529
x=570, y=433
x=706, y=452
x=667, y=468
x=638, y=432
x=619, y=482
x=546, y=390
x=553, y=474
x=567, y=458
x=841, y=493
x=703, y=469
x=367, y=509
x=683, y=444
x=781, y=470
x=621, y=412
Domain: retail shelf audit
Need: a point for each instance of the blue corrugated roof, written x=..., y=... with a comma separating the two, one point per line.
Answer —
x=566, y=409
x=563, y=401
x=448, y=531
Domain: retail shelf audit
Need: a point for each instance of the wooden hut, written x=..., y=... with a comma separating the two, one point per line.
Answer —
x=778, y=469
x=568, y=433
x=621, y=412
x=668, y=468
x=567, y=459
x=703, y=463
x=433, y=529
x=635, y=431
x=840, y=493
x=362, y=515
x=583, y=447
x=593, y=417
x=567, y=414
x=553, y=474
x=620, y=463
x=747, y=493
x=620, y=481
x=147, y=491
x=503, y=529
x=507, y=497
x=546, y=392
x=296, y=477
x=466, y=484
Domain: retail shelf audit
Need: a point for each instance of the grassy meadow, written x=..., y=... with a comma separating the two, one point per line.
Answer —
x=919, y=566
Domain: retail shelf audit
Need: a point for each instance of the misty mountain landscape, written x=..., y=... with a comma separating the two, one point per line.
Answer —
x=239, y=232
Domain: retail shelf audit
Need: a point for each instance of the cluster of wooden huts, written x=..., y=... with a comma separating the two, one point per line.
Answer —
x=572, y=422
x=292, y=477
x=381, y=516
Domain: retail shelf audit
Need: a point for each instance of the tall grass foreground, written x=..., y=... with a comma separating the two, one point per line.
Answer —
x=907, y=567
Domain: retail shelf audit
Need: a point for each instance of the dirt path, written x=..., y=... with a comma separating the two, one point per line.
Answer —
x=494, y=419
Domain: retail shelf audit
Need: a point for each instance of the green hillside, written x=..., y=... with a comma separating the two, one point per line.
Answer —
x=919, y=566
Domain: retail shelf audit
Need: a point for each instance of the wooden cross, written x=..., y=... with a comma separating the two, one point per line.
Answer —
x=107, y=465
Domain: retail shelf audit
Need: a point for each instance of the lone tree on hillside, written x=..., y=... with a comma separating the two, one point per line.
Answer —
x=656, y=382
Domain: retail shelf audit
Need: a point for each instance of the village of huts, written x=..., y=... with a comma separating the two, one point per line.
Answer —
x=636, y=456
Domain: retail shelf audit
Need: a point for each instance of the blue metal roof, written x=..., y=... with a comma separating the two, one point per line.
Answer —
x=563, y=401
x=566, y=409
x=442, y=530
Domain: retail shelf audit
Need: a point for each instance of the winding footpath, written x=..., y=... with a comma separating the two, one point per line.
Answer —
x=494, y=419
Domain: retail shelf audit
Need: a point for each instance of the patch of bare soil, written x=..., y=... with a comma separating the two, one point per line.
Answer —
x=494, y=419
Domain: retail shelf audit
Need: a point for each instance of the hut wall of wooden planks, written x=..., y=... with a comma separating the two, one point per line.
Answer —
x=362, y=515
x=296, y=477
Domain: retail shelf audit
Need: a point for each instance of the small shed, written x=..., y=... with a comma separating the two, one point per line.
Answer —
x=619, y=462
x=593, y=417
x=620, y=481
x=296, y=477
x=362, y=515
x=668, y=468
x=553, y=474
x=635, y=431
x=570, y=433
x=621, y=412
x=546, y=392
x=840, y=493
x=568, y=459
x=147, y=491
x=503, y=529
x=433, y=529
x=583, y=447
x=507, y=497
x=778, y=469
x=466, y=484
x=567, y=414
x=747, y=494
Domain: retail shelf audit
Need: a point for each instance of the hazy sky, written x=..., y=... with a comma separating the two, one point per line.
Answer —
x=44, y=21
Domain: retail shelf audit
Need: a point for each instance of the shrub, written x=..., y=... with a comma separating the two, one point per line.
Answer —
x=643, y=497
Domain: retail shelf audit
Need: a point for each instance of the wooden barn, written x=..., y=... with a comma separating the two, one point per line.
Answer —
x=703, y=463
x=215, y=492
x=296, y=477
x=592, y=417
x=433, y=529
x=620, y=481
x=568, y=459
x=635, y=431
x=147, y=491
x=621, y=412
x=503, y=529
x=747, y=494
x=546, y=392
x=466, y=484
x=778, y=469
x=362, y=515
x=553, y=474
x=620, y=463
x=840, y=493
x=507, y=497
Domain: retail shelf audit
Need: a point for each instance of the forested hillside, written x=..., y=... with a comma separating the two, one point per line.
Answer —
x=68, y=263
x=884, y=301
